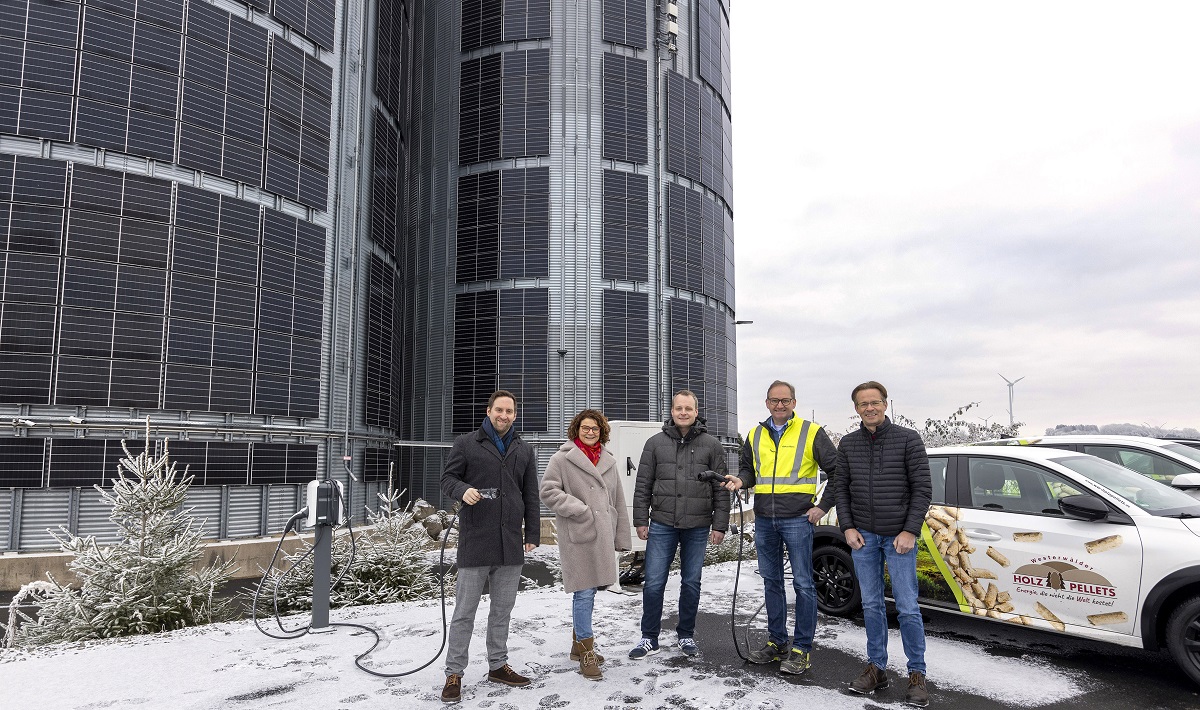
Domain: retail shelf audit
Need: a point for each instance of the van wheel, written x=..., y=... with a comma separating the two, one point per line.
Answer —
x=833, y=574
x=1183, y=637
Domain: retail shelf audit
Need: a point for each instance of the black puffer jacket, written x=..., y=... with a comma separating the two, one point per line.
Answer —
x=882, y=483
x=668, y=490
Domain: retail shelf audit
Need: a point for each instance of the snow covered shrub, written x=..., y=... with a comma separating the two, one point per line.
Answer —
x=1150, y=430
x=395, y=560
x=727, y=551
x=147, y=581
x=950, y=431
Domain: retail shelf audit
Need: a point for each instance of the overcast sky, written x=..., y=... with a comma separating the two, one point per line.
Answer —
x=928, y=194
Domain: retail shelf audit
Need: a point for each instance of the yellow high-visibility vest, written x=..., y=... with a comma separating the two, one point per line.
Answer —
x=789, y=467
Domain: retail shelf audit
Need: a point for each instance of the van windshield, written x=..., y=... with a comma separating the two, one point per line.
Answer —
x=1149, y=495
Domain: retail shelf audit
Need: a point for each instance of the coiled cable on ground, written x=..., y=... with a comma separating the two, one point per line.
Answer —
x=301, y=631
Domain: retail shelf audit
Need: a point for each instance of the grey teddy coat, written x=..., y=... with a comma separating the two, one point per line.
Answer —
x=590, y=515
x=492, y=532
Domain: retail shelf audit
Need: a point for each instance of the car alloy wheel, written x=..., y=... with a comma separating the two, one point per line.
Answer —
x=1183, y=637
x=833, y=575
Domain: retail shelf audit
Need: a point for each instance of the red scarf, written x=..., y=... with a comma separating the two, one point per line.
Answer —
x=593, y=452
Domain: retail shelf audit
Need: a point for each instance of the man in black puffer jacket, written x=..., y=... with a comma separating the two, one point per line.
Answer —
x=882, y=490
x=673, y=508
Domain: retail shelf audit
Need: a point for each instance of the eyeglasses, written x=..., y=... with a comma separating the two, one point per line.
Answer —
x=590, y=429
x=776, y=401
x=867, y=405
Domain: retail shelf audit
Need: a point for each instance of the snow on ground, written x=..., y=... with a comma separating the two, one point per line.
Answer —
x=233, y=665
x=950, y=664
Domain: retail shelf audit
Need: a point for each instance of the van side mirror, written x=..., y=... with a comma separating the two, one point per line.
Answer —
x=1083, y=507
x=1186, y=481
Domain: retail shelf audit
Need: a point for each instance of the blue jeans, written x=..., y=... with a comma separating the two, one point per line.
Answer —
x=868, y=567
x=770, y=537
x=660, y=552
x=582, y=603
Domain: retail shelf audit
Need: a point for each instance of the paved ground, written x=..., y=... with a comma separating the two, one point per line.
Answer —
x=1115, y=677
x=981, y=665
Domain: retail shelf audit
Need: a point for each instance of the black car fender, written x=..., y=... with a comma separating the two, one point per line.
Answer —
x=828, y=533
x=1175, y=587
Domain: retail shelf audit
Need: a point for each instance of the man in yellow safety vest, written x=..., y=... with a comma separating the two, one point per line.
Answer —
x=779, y=460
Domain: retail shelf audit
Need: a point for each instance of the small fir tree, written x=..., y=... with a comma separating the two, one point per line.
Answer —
x=146, y=582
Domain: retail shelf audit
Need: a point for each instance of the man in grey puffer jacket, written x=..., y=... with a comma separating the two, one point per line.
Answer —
x=673, y=508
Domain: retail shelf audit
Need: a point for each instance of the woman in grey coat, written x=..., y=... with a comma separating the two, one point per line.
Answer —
x=583, y=490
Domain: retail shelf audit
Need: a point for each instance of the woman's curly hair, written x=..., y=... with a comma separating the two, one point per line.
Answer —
x=596, y=414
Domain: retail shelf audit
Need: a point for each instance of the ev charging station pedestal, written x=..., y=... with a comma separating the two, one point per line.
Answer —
x=325, y=513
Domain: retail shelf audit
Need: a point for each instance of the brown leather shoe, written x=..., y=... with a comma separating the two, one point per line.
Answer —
x=917, y=694
x=872, y=679
x=576, y=650
x=452, y=693
x=506, y=675
x=588, y=665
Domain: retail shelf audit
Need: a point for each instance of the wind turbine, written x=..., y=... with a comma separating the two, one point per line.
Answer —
x=1011, y=384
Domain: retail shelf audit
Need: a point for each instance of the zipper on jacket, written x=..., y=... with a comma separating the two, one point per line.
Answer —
x=871, y=480
x=775, y=464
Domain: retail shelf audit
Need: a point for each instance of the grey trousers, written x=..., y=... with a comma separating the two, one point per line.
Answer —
x=504, y=582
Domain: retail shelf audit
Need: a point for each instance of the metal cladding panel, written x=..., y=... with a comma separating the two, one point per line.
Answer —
x=205, y=502
x=281, y=505
x=245, y=511
x=94, y=518
x=356, y=499
x=688, y=12
x=543, y=459
x=6, y=501
x=576, y=203
x=429, y=245
x=371, y=491
x=344, y=205
x=43, y=510
x=417, y=474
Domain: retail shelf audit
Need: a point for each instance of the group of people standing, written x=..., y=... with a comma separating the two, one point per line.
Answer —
x=879, y=481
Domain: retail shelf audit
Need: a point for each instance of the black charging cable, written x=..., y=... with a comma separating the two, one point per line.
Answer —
x=358, y=660
x=290, y=526
x=717, y=479
x=289, y=633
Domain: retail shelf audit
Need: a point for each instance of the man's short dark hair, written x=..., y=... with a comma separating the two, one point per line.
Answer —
x=778, y=383
x=685, y=393
x=869, y=385
x=502, y=393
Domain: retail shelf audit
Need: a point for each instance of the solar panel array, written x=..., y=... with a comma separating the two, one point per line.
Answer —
x=206, y=89
x=161, y=295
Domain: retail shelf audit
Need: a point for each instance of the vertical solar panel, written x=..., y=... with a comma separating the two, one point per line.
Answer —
x=625, y=359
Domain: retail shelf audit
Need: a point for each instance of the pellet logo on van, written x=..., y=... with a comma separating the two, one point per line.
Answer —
x=1064, y=576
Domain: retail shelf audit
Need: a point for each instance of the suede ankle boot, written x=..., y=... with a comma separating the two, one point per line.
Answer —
x=576, y=649
x=588, y=665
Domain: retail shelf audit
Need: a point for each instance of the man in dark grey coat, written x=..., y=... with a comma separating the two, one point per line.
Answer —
x=495, y=474
x=882, y=489
x=674, y=509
